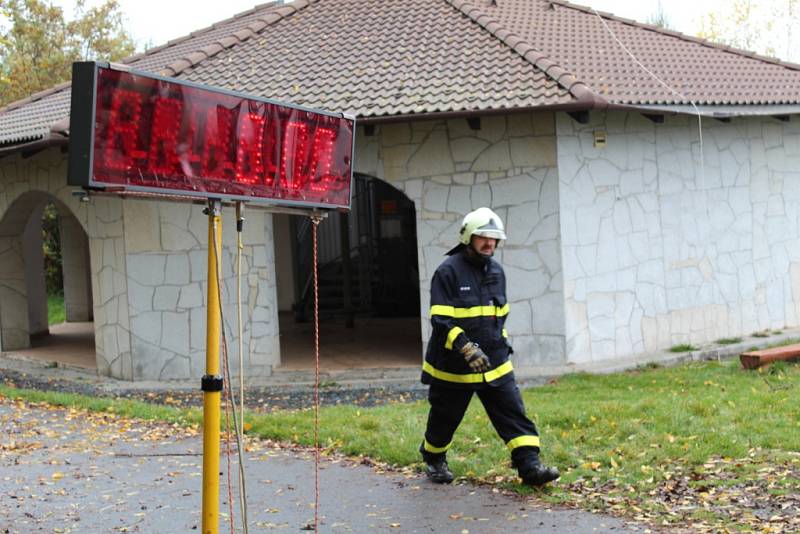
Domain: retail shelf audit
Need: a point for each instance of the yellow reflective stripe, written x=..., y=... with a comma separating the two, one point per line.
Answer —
x=505, y=332
x=465, y=313
x=523, y=441
x=468, y=378
x=499, y=371
x=436, y=450
x=452, y=335
x=438, y=309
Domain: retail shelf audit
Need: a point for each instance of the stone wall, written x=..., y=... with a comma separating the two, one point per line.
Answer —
x=663, y=247
x=657, y=248
x=25, y=185
x=167, y=261
x=148, y=263
x=509, y=164
x=35, y=286
x=112, y=335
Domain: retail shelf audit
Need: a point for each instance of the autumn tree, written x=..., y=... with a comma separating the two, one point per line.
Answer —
x=766, y=27
x=38, y=44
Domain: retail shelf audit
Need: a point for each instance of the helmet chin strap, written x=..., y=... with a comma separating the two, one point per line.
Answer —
x=476, y=257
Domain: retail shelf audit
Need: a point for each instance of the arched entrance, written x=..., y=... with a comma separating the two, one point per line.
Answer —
x=26, y=328
x=368, y=283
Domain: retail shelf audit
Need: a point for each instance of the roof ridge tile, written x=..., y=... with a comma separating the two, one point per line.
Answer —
x=35, y=96
x=197, y=33
x=558, y=73
x=239, y=36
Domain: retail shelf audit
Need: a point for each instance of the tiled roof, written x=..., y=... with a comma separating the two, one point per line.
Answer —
x=377, y=58
x=374, y=58
x=583, y=44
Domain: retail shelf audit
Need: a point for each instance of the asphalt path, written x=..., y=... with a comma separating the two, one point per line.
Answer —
x=63, y=470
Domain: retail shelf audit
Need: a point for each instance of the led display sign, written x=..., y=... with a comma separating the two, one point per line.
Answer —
x=137, y=131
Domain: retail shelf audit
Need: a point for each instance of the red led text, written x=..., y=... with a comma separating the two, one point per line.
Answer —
x=159, y=135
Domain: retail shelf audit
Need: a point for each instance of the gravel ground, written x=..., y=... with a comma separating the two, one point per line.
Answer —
x=262, y=398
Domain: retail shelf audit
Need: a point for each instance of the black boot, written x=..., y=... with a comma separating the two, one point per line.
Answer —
x=533, y=473
x=438, y=472
x=436, y=467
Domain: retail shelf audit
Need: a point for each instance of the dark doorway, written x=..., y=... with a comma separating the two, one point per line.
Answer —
x=368, y=282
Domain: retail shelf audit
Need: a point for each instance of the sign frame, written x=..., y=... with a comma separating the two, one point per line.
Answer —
x=80, y=169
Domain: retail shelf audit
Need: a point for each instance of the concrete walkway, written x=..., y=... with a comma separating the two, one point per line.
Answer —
x=67, y=343
x=68, y=471
x=371, y=343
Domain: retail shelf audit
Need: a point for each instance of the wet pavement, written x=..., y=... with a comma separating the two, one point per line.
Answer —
x=63, y=470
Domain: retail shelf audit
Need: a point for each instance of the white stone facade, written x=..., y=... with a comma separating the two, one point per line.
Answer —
x=663, y=247
x=509, y=164
x=148, y=263
x=25, y=185
x=612, y=252
x=167, y=265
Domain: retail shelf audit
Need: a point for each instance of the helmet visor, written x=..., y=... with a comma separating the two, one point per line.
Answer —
x=494, y=233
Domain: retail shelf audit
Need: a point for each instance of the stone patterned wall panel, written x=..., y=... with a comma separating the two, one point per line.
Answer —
x=448, y=169
x=42, y=178
x=699, y=247
x=168, y=292
x=33, y=256
x=14, y=326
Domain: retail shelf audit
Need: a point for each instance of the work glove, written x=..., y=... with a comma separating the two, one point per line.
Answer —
x=476, y=359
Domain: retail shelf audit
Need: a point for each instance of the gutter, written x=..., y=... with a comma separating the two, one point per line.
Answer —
x=724, y=111
x=52, y=139
x=464, y=114
x=586, y=102
x=57, y=136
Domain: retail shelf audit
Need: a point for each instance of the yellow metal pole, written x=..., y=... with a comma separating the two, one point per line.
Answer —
x=212, y=381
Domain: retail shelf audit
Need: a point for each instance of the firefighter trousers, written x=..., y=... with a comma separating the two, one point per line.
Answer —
x=503, y=405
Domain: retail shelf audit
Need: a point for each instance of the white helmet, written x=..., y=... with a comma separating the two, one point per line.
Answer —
x=481, y=222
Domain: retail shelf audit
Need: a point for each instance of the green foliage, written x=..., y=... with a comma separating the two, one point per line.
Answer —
x=785, y=342
x=684, y=347
x=51, y=247
x=625, y=426
x=728, y=341
x=123, y=407
x=38, y=45
x=56, y=312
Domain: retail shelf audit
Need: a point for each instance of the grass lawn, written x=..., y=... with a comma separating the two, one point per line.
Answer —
x=55, y=309
x=706, y=445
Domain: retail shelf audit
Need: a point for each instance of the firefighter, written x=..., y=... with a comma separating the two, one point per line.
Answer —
x=469, y=352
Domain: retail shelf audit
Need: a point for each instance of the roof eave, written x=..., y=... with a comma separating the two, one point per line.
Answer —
x=52, y=139
x=577, y=105
x=722, y=111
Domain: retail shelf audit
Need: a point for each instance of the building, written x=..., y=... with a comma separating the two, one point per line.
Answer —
x=644, y=208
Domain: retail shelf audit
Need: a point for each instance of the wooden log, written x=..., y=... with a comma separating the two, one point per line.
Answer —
x=757, y=358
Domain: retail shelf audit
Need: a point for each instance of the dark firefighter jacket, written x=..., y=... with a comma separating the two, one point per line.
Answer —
x=468, y=303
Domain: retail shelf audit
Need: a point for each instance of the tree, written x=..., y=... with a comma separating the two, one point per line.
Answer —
x=764, y=27
x=659, y=18
x=38, y=45
x=51, y=247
